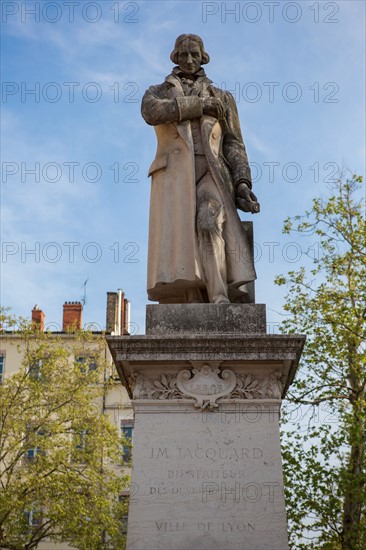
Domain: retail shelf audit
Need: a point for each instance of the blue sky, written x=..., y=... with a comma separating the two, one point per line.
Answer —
x=297, y=70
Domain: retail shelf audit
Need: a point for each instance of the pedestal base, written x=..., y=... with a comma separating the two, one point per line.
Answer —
x=207, y=468
x=205, y=480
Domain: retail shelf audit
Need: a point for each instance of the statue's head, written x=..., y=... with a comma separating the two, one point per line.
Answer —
x=189, y=53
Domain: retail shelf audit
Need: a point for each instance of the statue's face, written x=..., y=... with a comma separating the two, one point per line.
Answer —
x=189, y=57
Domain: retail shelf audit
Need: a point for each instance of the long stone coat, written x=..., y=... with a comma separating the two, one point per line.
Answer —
x=174, y=263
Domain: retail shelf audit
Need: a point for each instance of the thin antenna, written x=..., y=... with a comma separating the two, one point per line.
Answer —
x=83, y=299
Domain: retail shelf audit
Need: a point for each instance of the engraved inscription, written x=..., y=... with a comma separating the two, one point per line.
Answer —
x=224, y=492
x=237, y=526
x=212, y=453
x=205, y=526
x=171, y=526
x=206, y=474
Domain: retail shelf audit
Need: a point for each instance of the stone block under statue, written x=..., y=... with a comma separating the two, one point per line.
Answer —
x=206, y=466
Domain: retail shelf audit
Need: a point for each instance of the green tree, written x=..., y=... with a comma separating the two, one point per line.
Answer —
x=324, y=451
x=60, y=456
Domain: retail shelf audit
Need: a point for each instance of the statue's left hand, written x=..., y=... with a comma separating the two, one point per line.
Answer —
x=246, y=199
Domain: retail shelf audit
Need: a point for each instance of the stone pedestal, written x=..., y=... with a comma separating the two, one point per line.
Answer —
x=206, y=383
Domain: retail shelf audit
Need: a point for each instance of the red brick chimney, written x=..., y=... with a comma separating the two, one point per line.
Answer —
x=72, y=316
x=38, y=318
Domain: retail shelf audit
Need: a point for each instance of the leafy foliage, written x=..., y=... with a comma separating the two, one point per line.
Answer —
x=324, y=452
x=59, y=453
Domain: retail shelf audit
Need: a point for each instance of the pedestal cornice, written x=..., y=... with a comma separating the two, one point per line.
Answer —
x=131, y=352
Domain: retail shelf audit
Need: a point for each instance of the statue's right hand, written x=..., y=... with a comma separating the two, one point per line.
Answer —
x=213, y=106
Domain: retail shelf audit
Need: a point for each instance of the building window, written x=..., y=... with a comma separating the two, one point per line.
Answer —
x=35, y=450
x=80, y=446
x=35, y=370
x=2, y=367
x=127, y=434
x=124, y=500
x=81, y=439
x=32, y=453
x=88, y=363
x=33, y=518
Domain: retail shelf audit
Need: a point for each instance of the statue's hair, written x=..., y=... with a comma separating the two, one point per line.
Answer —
x=194, y=38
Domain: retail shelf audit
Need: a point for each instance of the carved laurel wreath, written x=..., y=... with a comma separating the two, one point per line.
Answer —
x=207, y=386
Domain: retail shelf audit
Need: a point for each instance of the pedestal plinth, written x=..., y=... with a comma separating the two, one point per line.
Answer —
x=206, y=383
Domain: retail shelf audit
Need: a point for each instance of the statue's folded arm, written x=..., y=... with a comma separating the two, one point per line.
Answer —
x=158, y=111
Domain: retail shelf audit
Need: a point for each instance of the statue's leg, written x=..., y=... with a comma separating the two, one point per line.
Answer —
x=196, y=294
x=210, y=220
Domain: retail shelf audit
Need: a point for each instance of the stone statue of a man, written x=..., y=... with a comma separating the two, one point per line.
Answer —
x=198, y=250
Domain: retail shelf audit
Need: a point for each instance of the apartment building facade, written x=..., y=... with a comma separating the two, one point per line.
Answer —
x=115, y=403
